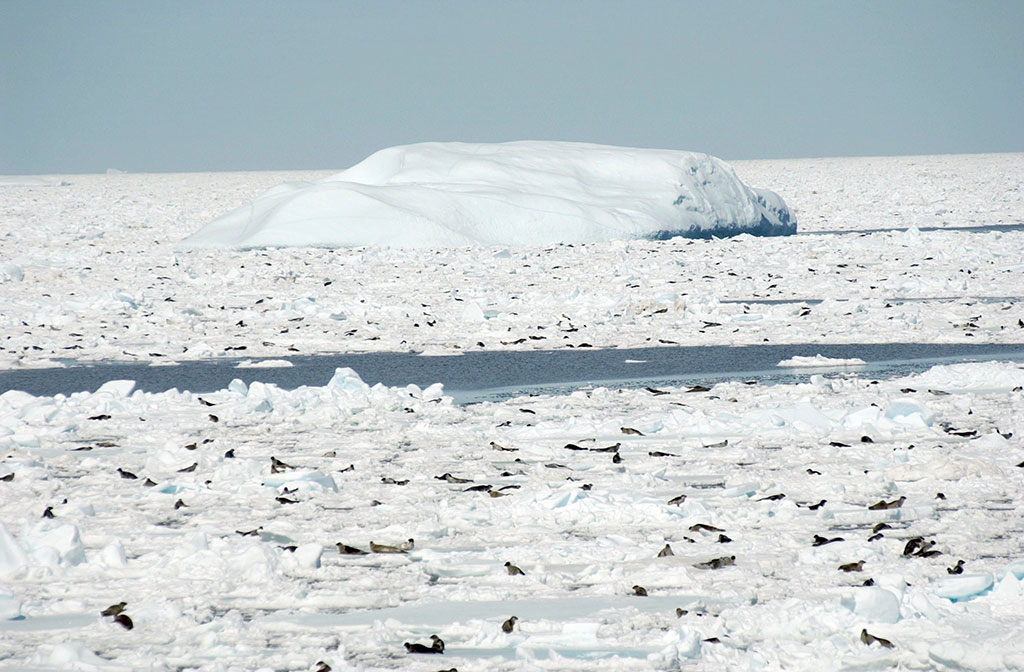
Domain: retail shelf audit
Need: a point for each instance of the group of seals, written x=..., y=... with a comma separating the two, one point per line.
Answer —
x=404, y=547
x=436, y=646
x=121, y=618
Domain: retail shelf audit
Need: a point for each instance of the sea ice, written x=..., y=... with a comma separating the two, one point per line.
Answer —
x=12, y=557
x=245, y=571
x=264, y=364
x=964, y=586
x=10, y=607
x=101, y=279
x=219, y=563
x=873, y=604
x=32, y=181
x=821, y=361
x=909, y=411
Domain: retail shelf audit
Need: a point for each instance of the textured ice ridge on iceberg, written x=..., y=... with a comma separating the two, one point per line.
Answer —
x=517, y=193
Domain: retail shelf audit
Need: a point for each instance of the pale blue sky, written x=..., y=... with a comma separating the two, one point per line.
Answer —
x=198, y=85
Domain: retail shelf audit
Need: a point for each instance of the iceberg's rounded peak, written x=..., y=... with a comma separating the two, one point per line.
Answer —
x=446, y=194
x=524, y=162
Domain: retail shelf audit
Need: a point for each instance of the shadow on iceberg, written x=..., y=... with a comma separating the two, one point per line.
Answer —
x=775, y=221
x=516, y=193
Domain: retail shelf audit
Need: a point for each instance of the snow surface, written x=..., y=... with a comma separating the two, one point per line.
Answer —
x=821, y=361
x=227, y=565
x=89, y=271
x=517, y=193
x=31, y=181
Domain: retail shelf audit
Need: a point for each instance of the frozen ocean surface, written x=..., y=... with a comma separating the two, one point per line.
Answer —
x=218, y=519
x=89, y=271
x=807, y=523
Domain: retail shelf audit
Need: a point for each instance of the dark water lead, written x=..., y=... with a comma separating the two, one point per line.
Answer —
x=493, y=375
x=970, y=228
x=896, y=300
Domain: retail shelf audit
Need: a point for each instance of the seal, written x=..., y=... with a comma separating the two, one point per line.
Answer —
x=418, y=648
x=447, y=476
x=114, y=609
x=882, y=504
x=437, y=646
x=717, y=563
x=383, y=548
x=513, y=570
x=870, y=639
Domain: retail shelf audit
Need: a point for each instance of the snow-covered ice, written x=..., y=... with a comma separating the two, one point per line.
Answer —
x=516, y=193
x=89, y=272
x=264, y=364
x=31, y=181
x=821, y=361
x=217, y=517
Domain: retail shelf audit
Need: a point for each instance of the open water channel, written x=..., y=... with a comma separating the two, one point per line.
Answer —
x=490, y=375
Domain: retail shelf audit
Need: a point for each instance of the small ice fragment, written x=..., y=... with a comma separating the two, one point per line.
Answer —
x=117, y=388
x=308, y=555
x=310, y=478
x=910, y=412
x=347, y=380
x=433, y=392
x=820, y=361
x=10, y=606
x=62, y=539
x=873, y=604
x=12, y=556
x=964, y=586
x=113, y=555
x=263, y=364
x=685, y=647
x=74, y=655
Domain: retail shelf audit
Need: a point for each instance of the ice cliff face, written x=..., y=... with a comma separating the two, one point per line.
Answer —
x=518, y=193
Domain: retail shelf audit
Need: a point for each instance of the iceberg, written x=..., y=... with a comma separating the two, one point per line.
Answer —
x=517, y=193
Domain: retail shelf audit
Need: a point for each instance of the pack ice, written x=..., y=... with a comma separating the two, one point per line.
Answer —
x=770, y=527
x=517, y=193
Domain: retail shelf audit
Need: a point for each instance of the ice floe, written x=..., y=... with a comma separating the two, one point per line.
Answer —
x=225, y=520
x=798, y=516
x=821, y=361
x=90, y=272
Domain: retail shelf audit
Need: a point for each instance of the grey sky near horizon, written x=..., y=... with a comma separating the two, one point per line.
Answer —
x=161, y=86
